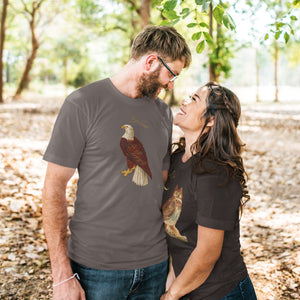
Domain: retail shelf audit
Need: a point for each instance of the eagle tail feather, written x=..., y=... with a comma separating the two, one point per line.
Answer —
x=140, y=177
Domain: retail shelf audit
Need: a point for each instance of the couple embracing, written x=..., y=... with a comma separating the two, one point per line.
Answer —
x=152, y=221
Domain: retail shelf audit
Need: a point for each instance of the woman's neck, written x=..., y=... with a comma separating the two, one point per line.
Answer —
x=189, y=141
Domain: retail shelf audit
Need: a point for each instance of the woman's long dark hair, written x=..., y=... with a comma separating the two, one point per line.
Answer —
x=221, y=142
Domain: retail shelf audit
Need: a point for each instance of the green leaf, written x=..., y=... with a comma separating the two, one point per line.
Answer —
x=296, y=3
x=224, y=5
x=228, y=22
x=294, y=18
x=209, y=40
x=170, y=15
x=165, y=22
x=292, y=31
x=279, y=25
x=170, y=5
x=202, y=24
x=191, y=25
x=196, y=36
x=200, y=47
x=218, y=13
x=199, y=2
x=266, y=36
x=185, y=11
x=277, y=34
x=286, y=37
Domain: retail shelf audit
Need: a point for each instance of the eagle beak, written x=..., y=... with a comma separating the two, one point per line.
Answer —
x=123, y=126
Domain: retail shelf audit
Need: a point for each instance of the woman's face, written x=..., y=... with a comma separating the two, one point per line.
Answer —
x=190, y=117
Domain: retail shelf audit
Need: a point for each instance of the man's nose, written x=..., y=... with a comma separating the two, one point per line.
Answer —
x=170, y=85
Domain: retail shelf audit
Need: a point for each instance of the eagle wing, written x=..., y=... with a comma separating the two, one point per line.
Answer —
x=135, y=153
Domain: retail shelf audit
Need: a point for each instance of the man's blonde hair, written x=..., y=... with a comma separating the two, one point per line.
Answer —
x=163, y=40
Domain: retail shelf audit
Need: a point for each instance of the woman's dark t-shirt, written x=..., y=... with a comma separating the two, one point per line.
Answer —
x=211, y=201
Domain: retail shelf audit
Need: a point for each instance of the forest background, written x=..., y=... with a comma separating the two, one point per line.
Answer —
x=49, y=48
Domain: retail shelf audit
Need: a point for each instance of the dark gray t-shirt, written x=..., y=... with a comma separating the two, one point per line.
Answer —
x=191, y=200
x=120, y=146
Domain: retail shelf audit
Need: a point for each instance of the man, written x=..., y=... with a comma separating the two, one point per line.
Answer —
x=117, y=133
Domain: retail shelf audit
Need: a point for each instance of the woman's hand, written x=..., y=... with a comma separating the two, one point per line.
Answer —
x=171, y=277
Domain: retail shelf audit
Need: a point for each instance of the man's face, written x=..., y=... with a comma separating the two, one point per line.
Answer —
x=150, y=85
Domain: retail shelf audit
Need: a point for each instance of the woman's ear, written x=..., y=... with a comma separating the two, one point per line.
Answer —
x=211, y=122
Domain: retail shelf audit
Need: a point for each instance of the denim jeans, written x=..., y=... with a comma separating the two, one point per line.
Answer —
x=243, y=291
x=138, y=284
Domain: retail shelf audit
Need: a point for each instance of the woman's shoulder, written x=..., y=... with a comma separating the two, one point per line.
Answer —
x=210, y=166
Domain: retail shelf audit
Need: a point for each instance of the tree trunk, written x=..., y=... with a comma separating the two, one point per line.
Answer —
x=2, y=37
x=29, y=63
x=257, y=75
x=212, y=73
x=144, y=12
x=7, y=73
x=276, y=71
x=144, y=17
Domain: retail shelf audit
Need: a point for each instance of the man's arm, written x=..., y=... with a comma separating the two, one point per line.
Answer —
x=55, y=221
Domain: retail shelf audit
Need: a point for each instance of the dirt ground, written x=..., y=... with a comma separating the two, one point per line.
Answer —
x=270, y=233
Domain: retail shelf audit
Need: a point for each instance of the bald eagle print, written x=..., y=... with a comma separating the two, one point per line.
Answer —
x=136, y=157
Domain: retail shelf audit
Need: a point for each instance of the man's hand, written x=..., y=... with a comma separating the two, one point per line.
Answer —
x=70, y=290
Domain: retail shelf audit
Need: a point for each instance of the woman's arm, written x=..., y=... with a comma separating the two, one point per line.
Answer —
x=171, y=276
x=199, y=265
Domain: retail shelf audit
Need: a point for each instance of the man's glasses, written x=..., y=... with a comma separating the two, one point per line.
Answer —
x=174, y=75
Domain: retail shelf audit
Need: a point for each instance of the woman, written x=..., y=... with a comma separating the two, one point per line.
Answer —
x=205, y=191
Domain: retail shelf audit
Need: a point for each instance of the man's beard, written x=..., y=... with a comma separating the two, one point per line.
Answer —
x=149, y=85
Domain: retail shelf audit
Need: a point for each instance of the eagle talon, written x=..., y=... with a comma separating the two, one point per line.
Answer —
x=127, y=172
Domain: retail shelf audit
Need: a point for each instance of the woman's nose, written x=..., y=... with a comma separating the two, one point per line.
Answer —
x=186, y=101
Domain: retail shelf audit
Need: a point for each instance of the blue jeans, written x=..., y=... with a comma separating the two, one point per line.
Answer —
x=139, y=284
x=243, y=291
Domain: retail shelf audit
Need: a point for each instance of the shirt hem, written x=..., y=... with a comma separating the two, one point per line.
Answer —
x=116, y=266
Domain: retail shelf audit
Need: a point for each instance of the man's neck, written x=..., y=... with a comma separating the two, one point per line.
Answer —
x=126, y=80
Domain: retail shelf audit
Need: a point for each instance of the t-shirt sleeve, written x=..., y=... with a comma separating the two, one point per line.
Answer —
x=166, y=160
x=68, y=136
x=217, y=204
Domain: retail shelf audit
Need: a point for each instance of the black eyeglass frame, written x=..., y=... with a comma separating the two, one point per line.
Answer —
x=163, y=62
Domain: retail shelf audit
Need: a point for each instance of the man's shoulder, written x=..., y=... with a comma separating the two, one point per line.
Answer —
x=164, y=108
x=161, y=103
x=88, y=93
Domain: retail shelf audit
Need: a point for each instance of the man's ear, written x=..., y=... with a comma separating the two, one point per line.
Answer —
x=150, y=62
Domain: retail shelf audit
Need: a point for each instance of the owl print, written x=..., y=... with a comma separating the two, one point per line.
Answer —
x=171, y=213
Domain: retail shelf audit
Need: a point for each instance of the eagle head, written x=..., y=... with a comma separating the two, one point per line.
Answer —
x=129, y=133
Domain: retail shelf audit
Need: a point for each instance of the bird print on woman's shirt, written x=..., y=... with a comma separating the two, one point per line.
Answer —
x=171, y=213
x=136, y=157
